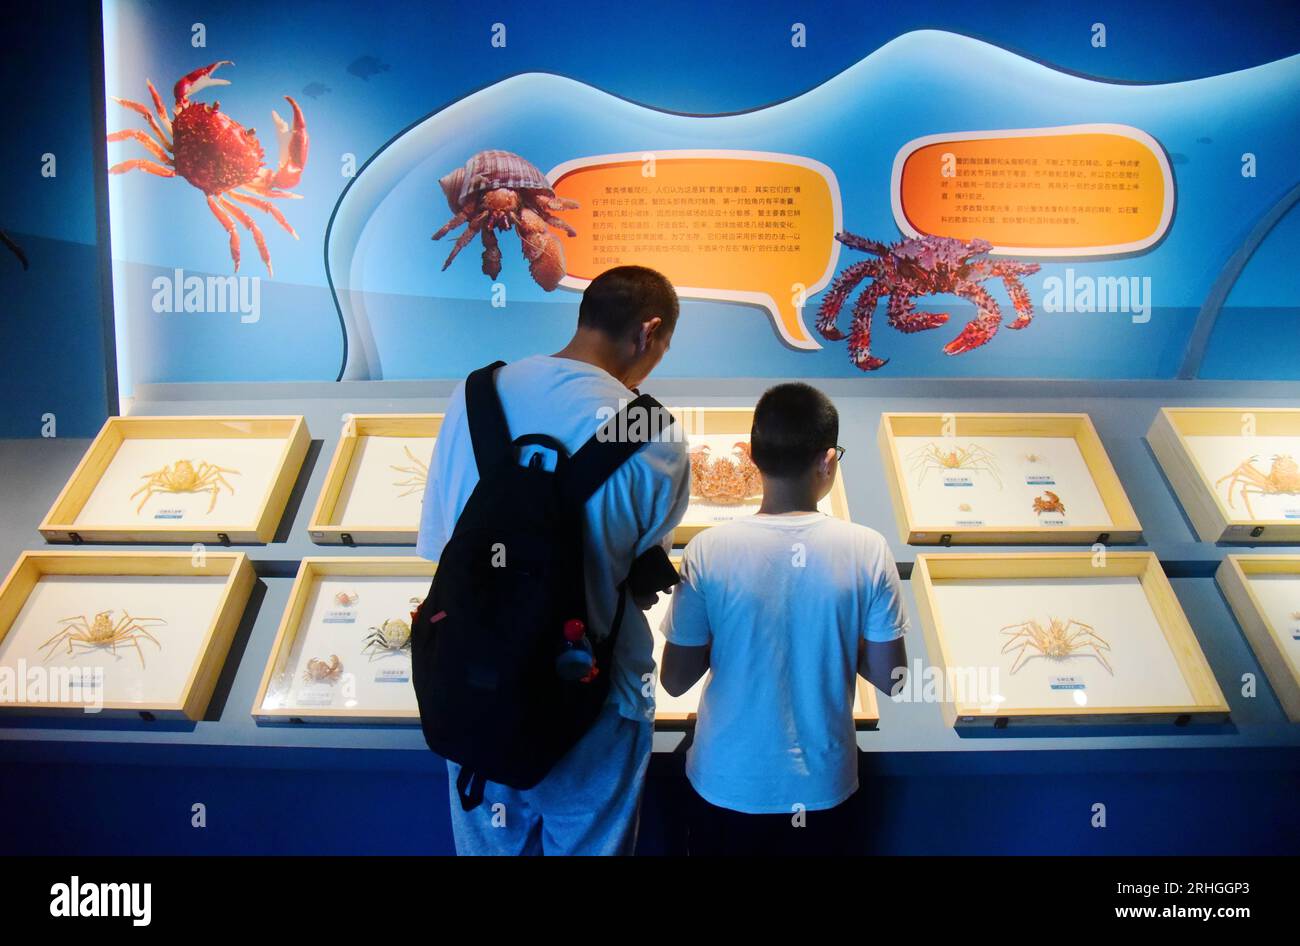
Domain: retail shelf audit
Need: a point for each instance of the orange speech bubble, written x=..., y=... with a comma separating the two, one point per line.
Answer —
x=742, y=226
x=1077, y=190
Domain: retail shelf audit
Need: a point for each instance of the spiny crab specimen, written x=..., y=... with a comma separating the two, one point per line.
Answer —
x=391, y=637
x=1048, y=502
x=924, y=266
x=1059, y=640
x=103, y=631
x=185, y=477
x=219, y=156
x=725, y=480
x=498, y=190
x=971, y=458
x=1282, y=478
x=417, y=475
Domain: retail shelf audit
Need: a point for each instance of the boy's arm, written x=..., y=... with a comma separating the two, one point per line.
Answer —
x=682, y=667
x=882, y=652
x=686, y=629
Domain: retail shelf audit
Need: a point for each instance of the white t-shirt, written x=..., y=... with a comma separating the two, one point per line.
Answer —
x=783, y=600
x=636, y=508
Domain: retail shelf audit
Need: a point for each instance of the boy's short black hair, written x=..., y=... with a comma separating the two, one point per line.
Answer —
x=625, y=296
x=793, y=424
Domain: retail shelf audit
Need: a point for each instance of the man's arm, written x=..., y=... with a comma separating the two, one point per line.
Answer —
x=879, y=661
x=682, y=667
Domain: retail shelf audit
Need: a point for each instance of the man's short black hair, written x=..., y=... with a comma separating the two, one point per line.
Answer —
x=793, y=424
x=623, y=297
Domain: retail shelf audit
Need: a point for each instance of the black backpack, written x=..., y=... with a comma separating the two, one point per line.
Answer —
x=485, y=642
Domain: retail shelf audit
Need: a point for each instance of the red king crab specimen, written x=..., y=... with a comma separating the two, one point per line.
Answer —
x=219, y=156
x=498, y=190
x=924, y=266
x=725, y=480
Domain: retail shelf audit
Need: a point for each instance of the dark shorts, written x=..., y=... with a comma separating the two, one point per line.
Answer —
x=714, y=831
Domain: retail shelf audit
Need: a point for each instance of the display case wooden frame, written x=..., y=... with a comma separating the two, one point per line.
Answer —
x=1208, y=706
x=324, y=528
x=309, y=571
x=1124, y=526
x=60, y=523
x=1233, y=576
x=1210, y=515
x=202, y=680
x=739, y=421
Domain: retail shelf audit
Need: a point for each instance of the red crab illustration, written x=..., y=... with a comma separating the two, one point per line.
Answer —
x=498, y=190
x=219, y=156
x=924, y=266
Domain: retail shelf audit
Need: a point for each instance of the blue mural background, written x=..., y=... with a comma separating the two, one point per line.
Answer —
x=1185, y=72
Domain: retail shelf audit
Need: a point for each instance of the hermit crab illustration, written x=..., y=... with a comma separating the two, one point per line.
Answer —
x=1048, y=502
x=417, y=475
x=103, y=631
x=321, y=671
x=972, y=458
x=219, y=156
x=1059, y=640
x=923, y=266
x=391, y=637
x=1282, y=478
x=499, y=190
x=725, y=480
x=185, y=477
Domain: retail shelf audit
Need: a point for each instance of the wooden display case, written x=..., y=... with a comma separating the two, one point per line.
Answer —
x=1234, y=470
x=1264, y=592
x=1003, y=479
x=375, y=484
x=720, y=428
x=372, y=683
x=131, y=486
x=1142, y=664
x=174, y=614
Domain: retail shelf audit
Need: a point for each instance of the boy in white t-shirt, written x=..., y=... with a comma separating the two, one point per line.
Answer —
x=783, y=608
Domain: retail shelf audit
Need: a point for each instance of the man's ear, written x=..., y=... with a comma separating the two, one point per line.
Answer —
x=648, y=329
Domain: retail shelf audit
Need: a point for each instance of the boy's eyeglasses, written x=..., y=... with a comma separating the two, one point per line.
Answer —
x=839, y=453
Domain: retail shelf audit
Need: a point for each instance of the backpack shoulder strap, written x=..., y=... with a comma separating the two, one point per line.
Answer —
x=639, y=422
x=487, y=419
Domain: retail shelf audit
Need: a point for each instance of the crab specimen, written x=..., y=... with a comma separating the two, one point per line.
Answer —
x=923, y=266
x=185, y=477
x=972, y=458
x=725, y=480
x=320, y=671
x=1033, y=458
x=346, y=599
x=219, y=156
x=1048, y=502
x=499, y=190
x=103, y=631
x=1283, y=477
x=1059, y=640
x=418, y=474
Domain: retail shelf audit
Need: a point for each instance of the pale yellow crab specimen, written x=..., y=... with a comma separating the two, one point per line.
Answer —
x=103, y=631
x=185, y=477
x=417, y=475
x=971, y=458
x=1059, y=640
x=1282, y=478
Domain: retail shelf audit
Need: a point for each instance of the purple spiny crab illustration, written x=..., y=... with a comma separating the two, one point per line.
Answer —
x=923, y=266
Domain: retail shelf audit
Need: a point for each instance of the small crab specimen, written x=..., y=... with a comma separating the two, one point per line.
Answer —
x=725, y=480
x=1059, y=640
x=499, y=190
x=1033, y=458
x=320, y=671
x=346, y=599
x=972, y=458
x=103, y=631
x=1282, y=478
x=185, y=477
x=924, y=266
x=1048, y=502
x=219, y=156
x=417, y=474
